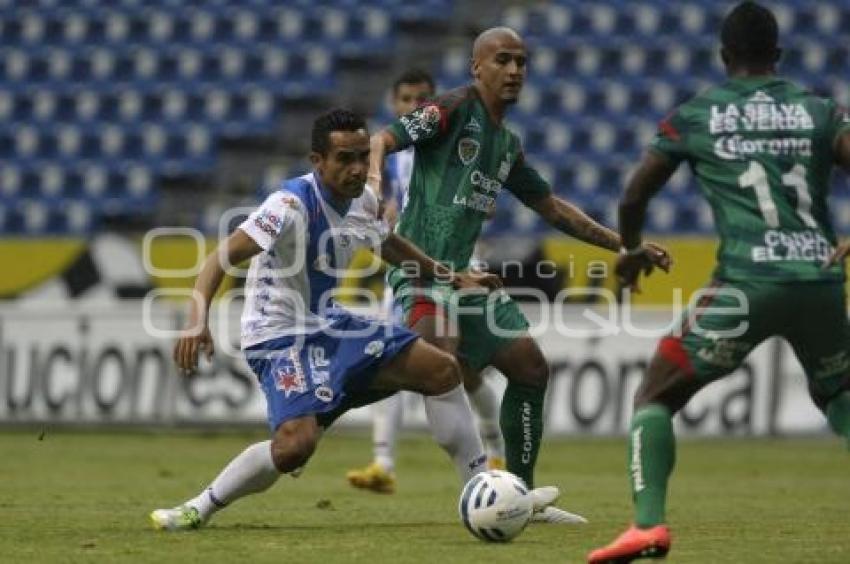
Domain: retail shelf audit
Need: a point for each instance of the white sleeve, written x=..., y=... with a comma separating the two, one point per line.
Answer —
x=279, y=214
x=368, y=229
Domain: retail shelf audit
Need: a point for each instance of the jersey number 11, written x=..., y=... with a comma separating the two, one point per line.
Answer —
x=756, y=177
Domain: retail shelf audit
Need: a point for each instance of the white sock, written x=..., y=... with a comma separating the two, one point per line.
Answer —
x=386, y=421
x=252, y=471
x=487, y=405
x=453, y=426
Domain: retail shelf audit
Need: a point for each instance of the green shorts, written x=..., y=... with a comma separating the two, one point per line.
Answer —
x=485, y=322
x=732, y=318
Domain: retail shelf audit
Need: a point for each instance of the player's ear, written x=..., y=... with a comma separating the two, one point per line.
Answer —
x=474, y=68
x=316, y=159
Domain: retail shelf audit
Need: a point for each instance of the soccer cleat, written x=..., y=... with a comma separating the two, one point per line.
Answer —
x=176, y=519
x=373, y=478
x=545, y=512
x=555, y=515
x=633, y=544
x=495, y=463
x=543, y=496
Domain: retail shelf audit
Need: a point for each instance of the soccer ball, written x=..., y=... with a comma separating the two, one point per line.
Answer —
x=495, y=506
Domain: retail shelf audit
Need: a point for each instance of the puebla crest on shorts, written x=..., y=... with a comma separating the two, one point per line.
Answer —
x=324, y=393
x=289, y=377
x=467, y=150
x=374, y=348
x=289, y=381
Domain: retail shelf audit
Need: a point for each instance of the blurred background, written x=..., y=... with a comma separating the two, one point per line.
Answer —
x=119, y=116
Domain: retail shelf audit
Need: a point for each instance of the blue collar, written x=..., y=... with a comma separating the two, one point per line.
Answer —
x=328, y=197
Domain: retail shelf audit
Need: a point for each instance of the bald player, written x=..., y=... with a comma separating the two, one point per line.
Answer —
x=464, y=157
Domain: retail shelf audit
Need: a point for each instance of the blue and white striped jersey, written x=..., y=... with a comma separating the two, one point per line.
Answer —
x=307, y=244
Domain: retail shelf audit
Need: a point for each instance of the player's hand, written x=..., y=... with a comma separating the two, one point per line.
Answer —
x=643, y=259
x=476, y=279
x=838, y=255
x=190, y=344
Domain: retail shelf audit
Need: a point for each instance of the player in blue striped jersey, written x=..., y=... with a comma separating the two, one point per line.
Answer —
x=314, y=359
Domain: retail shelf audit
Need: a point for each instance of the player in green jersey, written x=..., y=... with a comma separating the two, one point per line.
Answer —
x=762, y=150
x=465, y=156
x=411, y=89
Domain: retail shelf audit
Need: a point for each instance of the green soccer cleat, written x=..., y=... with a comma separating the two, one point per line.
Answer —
x=176, y=519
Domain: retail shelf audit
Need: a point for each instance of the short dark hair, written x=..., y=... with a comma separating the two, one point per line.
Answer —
x=750, y=34
x=413, y=76
x=337, y=119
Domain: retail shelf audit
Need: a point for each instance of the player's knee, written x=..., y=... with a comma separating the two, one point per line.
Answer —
x=292, y=448
x=642, y=400
x=445, y=377
x=536, y=372
x=649, y=395
x=645, y=393
x=665, y=384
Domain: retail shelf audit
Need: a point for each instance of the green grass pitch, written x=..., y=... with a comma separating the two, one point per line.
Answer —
x=85, y=496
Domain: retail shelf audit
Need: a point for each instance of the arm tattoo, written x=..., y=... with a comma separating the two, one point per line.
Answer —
x=588, y=231
x=574, y=222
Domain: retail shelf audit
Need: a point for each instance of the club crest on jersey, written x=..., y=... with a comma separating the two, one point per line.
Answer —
x=467, y=150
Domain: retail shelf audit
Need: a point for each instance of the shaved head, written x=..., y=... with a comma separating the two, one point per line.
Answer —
x=492, y=38
x=499, y=66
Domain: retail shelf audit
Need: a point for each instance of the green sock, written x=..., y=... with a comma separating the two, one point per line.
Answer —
x=838, y=415
x=652, y=453
x=521, y=419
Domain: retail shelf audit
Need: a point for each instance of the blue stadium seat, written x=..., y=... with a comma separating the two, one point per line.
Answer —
x=79, y=218
x=421, y=11
x=69, y=142
x=289, y=26
x=34, y=215
x=664, y=215
x=168, y=105
x=139, y=181
x=644, y=20
x=98, y=98
x=116, y=28
x=94, y=180
x=10, y=181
